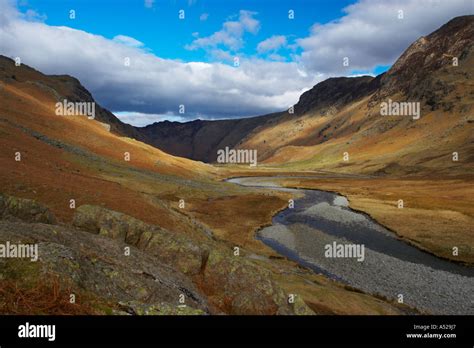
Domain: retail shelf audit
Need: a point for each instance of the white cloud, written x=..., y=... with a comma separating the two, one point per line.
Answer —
x=203, y=17
x=249, y=23
x=222, y=55
x=231, y=34
x=277, y=57
x=273, y=43
x=371, y=33
x=8, y=12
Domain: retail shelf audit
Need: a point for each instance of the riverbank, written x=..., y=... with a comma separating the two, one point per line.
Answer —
x=391, y=268
x=437, y=215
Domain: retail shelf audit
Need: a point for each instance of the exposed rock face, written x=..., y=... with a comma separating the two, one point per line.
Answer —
x=238, y=286
x=159, y=267
x=99, y=265
x=172, y=249
x=232, y=284
x=13, y=208
x=413, y=74
x=137, y=308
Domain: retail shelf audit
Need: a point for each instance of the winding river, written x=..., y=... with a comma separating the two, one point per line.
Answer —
x=390, y=267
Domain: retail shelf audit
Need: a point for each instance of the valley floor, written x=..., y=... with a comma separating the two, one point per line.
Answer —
x=437, y=214
x=385, y=264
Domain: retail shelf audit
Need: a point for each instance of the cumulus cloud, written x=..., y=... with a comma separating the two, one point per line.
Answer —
x=222, y=55
x=231, y=34
x=151, y=84
x=273, y=43
x=372, y=33
x=275, y=56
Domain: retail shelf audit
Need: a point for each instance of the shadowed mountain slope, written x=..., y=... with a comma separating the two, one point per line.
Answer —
x=199, y=140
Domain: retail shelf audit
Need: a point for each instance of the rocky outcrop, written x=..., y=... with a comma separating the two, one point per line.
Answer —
x=137, y=308
x=238, y=286
x=413, y=74
x=13, y=208
x=232, y=284
x=102, y=266
x=170, y=248
x=141, y=268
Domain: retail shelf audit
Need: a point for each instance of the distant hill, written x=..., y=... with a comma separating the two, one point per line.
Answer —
x=199, y=140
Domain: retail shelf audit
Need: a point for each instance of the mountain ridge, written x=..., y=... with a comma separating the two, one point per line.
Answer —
x=342, y=114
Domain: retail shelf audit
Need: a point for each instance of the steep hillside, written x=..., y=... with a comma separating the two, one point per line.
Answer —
x=422, y=71
x=334, y=93
x=343, y=115
x=327, y=127
x=60, y=87
x=56, y=158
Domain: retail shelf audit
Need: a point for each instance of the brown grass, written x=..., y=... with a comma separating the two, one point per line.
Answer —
x=235, y=219
x=46, y=295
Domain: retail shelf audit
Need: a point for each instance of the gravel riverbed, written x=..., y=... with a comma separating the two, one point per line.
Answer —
x=390, y=267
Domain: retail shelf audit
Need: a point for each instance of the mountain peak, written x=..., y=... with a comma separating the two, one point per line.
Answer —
x=447, y=47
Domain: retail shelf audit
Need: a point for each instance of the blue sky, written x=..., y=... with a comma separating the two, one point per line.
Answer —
x=139, y=60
